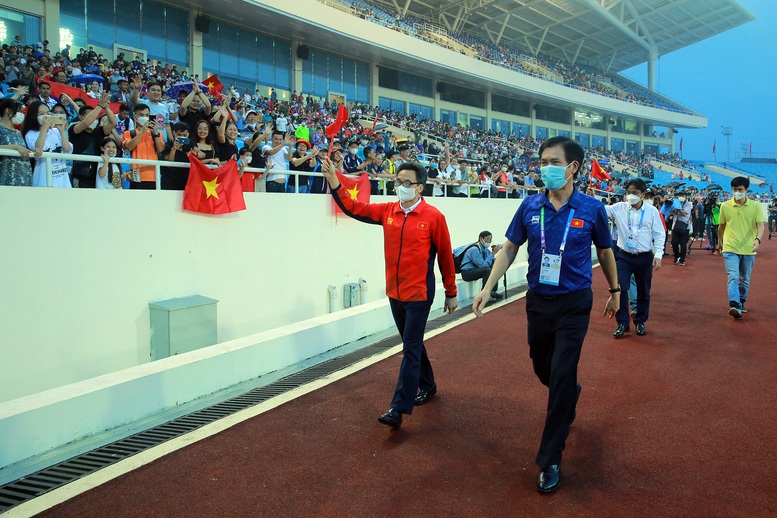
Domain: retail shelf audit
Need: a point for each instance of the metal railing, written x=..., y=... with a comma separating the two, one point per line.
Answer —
x=158, y=164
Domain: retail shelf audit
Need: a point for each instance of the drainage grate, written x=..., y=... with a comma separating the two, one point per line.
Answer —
x=45, y=480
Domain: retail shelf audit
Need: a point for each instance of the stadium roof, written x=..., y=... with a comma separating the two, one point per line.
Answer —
x=610, y=34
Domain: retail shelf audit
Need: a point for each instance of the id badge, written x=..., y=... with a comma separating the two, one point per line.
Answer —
x=550, y=269
x=631, y=243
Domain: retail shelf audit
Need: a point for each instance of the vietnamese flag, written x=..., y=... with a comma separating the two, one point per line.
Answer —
x=577, y=223
x=213, y=191
x=334, y=128
x=597, y=171
x=358, y=188
x=57, y=89
x=214, y=86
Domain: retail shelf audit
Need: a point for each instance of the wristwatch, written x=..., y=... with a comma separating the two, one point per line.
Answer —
x=615, y=290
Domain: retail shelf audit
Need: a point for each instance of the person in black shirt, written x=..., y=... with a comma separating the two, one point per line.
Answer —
x=303, y=159
x=86, y=136
x=255, y=143
x=177, y=150
x=195, y=107
x=226, y=137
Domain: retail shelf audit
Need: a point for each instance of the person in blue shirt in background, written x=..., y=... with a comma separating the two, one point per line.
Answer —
x=559, y=226
x=477, y=261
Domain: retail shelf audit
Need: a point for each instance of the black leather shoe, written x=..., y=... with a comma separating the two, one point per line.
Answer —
x=641, y=330
x=622, y=329
x=549, y=479
x=424, y=396
x=392, y=418
x=497, y=296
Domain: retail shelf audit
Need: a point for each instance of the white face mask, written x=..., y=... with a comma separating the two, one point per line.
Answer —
x=352, y=151
x=739, y=195
x=142, y=121
x=18, y=118
x=632, y=199
x=486, y=245
x=405, y=193
x=93, y=125
x=681, y=199
x=41, y=118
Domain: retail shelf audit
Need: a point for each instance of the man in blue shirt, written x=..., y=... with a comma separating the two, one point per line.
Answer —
x=477, y=261
x=559, y=226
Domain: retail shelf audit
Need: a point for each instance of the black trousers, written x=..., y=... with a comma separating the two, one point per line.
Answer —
x=680, y=243
x=641, y=266
x=557, y=327
x=477, y=273
x=415, y=371
x=274, y=186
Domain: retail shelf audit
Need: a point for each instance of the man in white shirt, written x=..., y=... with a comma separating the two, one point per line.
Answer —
x=281, y=123
x=640, y=249
x=278, y=154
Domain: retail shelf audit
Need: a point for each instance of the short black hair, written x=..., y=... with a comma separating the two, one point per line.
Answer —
x=740, y=181
x=420, y=172
x=484, y=235
x=141, y=107
x=403, y=147
x=638, y=183
x=180, y=126
x=82, y=111
x=245, y=151
x=573, y=151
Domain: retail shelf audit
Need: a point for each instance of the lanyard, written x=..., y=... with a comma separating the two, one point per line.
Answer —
x=641, y=218
x=566, y=230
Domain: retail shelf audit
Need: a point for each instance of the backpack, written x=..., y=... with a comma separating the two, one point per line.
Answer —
x=459, y=257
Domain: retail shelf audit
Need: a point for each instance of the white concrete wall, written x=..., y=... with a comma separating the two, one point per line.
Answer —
x=79, y=267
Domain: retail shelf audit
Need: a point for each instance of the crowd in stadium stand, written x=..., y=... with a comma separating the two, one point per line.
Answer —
x=496, y=164
x=575, y=76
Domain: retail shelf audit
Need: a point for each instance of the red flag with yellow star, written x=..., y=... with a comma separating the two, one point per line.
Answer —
x=214, y=86
x=358, y=188
x=213, y=191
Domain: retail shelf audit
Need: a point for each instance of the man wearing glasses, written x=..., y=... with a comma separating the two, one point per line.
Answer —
x=414, y=232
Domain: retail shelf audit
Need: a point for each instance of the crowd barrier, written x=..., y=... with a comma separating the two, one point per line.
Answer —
x=49, y=157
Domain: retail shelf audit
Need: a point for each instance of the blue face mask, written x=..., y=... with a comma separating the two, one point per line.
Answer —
x=554, y=176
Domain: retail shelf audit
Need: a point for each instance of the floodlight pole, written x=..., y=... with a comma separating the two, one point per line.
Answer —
x=727, y=131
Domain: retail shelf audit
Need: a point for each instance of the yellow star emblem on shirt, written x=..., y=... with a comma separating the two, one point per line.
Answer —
x=354, y=192
x=210, y=188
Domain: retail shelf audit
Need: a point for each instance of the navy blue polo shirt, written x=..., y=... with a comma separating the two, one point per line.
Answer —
x=589, y=225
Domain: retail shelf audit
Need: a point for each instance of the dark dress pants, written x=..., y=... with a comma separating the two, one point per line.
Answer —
x=641, y=266
x=680, y=243
x=475, y=274
x=415, y=370
x=557, y=327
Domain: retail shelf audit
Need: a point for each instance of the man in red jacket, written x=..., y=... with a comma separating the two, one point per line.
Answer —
x=413, y=233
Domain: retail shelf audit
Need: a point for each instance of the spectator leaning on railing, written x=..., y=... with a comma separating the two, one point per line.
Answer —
x=13, y=170
x=145, y=142
x=44, y=132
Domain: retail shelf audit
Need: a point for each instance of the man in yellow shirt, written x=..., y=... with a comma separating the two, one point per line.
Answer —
x=740, y=230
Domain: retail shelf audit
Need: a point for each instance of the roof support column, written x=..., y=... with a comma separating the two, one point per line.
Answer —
x=652, y=81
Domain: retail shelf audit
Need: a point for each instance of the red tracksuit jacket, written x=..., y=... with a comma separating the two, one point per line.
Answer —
x=410, y=243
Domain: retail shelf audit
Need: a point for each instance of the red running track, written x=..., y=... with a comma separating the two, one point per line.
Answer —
x=681, y=422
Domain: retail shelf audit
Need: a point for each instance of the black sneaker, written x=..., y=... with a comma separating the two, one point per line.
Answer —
x=681, y=263
x=742, y=307
x=735, y=309
x=676, y=261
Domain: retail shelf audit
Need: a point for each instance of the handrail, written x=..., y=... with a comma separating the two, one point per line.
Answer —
x=182, y=165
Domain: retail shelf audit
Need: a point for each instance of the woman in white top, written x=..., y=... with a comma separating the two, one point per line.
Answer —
x=109, y=175
x=44, y=132
x=94, y=89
